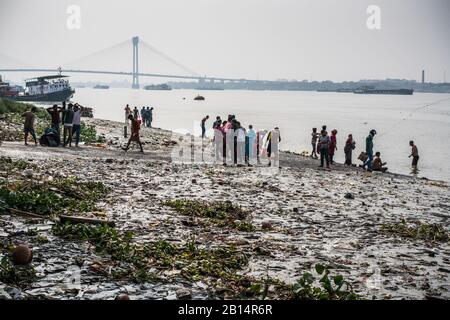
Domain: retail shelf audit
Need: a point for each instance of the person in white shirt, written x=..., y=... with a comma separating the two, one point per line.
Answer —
x=240, y=139
x=76, y=128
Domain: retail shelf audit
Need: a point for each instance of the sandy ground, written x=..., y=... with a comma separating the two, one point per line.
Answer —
x=312, y=219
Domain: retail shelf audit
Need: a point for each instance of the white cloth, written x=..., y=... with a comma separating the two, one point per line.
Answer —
x=77, y=117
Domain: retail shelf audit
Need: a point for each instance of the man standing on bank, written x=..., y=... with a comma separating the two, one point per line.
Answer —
x=369, y=149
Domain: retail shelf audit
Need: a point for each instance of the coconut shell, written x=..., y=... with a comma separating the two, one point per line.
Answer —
x=22, y=255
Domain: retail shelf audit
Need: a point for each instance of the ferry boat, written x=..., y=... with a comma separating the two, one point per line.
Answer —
x=101, y=86
x=384, y=91
x=54, y=88
x=163, y=86
x=7, y=91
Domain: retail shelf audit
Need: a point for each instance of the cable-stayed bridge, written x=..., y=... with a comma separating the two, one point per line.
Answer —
x=138, y=46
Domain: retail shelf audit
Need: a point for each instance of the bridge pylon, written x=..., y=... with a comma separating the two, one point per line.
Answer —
x=135, y=75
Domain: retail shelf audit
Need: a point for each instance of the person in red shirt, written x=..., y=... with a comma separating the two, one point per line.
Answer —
x=135, y=128
x=333, y=145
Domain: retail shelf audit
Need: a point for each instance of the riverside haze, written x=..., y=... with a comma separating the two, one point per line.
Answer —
x=397, y=119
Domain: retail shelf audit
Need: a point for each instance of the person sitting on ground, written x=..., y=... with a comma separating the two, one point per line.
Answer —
x=29, y=125
x=135, y=128
x=377, y=164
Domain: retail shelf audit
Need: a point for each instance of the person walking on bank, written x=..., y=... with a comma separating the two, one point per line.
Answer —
x=314, y=137
x=333, y=145
x=324, y=148
x=28, y=126
x=203, y=125
x=68, y=125
x=415, y=155
x=349, y=147
x=369, y=150
x=135, y=128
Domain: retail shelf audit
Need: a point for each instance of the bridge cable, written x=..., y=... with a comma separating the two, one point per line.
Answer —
x=166, y=57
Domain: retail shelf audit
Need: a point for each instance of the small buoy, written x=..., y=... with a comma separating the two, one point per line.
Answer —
x=122, y=297
x=22, y=255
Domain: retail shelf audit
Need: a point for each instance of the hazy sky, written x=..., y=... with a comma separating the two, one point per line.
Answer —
x=264, y=39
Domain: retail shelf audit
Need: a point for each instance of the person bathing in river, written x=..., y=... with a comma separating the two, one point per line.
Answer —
x=333, y=145
x=415, y=155
x=377, y=164
x=135, y=128
x=203, y=126
x=28, y=125
x=349, y=147
x=314, y=137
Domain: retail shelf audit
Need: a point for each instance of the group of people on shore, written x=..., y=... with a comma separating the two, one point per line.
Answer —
x=144, y=116
x=326, y=145
x=235, y=144
x=69, y=117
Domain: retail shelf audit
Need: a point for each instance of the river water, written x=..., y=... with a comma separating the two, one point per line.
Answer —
x=422, y=117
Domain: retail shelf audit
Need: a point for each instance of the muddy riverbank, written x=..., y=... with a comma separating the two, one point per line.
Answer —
x=295, y=217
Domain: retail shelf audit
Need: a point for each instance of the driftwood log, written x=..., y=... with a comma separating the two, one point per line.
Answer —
x=75, y=219
x=26, y=214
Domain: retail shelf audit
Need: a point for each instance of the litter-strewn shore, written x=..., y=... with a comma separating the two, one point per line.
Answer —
x=376, y=230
